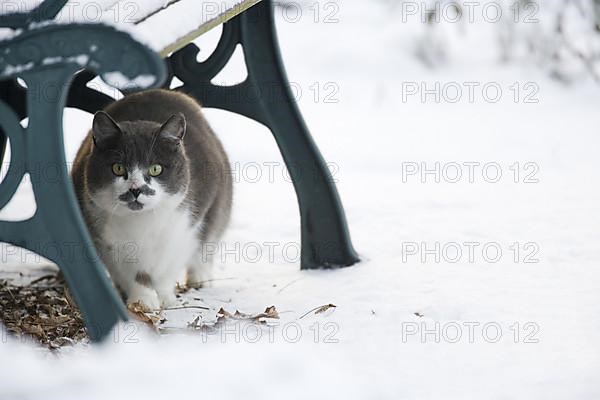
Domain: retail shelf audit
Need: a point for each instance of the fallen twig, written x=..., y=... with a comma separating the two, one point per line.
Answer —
x=185, y=307
x=288, y=285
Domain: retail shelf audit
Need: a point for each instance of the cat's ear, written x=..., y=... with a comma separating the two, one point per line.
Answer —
x=105, y=131
x=173, y=130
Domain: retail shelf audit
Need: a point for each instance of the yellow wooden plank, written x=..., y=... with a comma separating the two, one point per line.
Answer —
x=205, y=27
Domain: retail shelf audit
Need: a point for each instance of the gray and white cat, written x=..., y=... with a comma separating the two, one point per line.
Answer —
x=149, y=183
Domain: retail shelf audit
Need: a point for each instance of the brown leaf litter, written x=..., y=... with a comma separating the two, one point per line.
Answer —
x=43, y=311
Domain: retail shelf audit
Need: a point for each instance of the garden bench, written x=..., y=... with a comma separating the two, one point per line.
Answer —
x=47, y=47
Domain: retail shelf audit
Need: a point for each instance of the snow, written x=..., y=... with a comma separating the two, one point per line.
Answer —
x=364, y=348
x=118, y=80
x=81, y=59
x=14, y=69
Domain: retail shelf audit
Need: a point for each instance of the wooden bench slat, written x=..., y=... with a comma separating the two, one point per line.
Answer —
x=164, y=25
x=201, y=27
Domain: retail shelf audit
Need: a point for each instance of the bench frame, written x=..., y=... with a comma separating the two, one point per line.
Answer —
x=325, y=238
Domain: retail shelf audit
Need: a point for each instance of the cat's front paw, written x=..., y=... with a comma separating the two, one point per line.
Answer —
x=147, y=299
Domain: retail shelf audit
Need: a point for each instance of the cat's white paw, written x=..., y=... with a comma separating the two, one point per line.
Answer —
x=147, y=298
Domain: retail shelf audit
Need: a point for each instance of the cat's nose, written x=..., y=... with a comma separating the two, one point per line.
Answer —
x=136, y=192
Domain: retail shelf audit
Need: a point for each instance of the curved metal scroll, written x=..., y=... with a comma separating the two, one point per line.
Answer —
x=44, y=12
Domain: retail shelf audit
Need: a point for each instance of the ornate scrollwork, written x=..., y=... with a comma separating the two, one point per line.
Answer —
x=44, y=12
x=9, y=123
x=102, y=49
x=196, y=76
x=185, y=66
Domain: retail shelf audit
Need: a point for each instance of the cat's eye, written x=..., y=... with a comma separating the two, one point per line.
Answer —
x=118, y=169
x=155, y=170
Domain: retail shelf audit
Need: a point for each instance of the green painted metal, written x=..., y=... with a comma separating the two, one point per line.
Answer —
x=47, y=59
x=21, y=20
x=2, y=146
x=265, y=96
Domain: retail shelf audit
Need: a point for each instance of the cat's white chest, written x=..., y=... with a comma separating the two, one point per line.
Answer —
x=157, y=242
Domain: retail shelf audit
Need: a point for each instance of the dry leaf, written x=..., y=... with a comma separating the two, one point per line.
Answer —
x=270, y=312
x=224, y=313
x=195, y=324
x=223, y=316
x=141, y=312
x=241, y=315
x=319, y=310
x=324, y=308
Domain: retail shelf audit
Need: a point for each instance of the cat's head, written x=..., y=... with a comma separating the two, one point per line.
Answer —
x=137, y=166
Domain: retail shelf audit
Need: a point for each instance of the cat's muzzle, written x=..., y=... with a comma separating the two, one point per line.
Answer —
x=131, y=197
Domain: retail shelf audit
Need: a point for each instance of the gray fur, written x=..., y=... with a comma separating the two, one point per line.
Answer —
x=143, y=278
x=157, y=126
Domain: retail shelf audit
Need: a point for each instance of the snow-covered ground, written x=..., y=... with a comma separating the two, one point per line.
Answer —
x=522, y=324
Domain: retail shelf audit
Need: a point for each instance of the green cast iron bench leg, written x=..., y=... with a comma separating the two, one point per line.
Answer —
x=267, y=99
x=57, y=230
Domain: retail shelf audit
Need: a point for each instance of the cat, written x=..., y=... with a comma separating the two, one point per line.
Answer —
x=149, y=184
